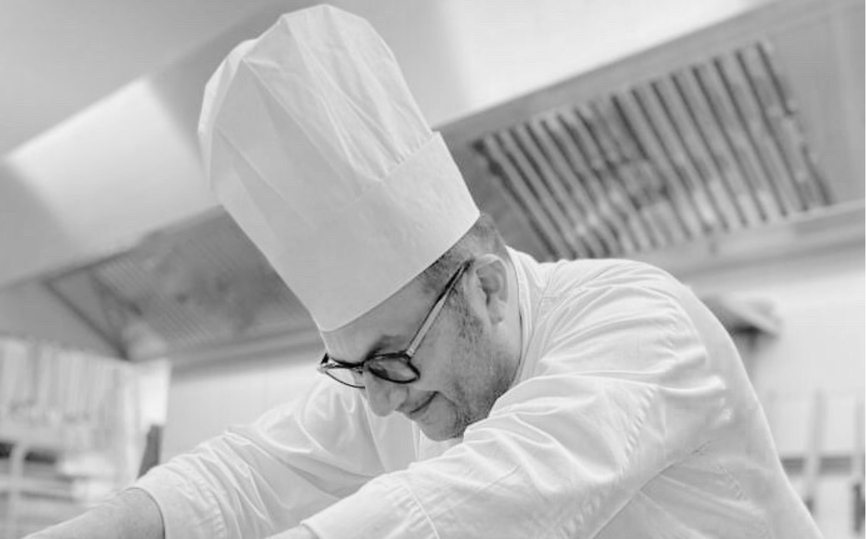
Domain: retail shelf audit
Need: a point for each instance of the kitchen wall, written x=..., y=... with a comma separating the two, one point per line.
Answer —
x=206, y=398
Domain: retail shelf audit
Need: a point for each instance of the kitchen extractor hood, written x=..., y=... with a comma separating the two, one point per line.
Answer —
x=707, y=150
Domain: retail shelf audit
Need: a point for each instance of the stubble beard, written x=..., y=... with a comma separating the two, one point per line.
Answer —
x=479, y=393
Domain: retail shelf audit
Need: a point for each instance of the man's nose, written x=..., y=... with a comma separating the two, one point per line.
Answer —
x=384, y=396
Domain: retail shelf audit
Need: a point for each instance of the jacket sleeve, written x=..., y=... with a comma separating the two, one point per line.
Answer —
x=257, y=480
x=623, y=389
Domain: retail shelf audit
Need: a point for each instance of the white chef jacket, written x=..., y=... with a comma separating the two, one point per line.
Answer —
x=631, y=417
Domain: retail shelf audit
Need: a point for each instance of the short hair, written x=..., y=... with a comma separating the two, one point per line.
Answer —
x=482, y=238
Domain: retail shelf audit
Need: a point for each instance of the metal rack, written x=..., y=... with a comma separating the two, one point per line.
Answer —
x=57, y=403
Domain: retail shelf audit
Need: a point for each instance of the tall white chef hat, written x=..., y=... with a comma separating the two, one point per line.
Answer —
x=315, y=146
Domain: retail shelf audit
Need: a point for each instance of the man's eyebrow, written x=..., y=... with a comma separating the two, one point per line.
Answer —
x=384, y=343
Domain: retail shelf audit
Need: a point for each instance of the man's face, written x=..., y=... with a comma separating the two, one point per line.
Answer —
x=463, y=367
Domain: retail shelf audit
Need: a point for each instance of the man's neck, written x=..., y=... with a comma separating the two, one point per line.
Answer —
x=514, y=320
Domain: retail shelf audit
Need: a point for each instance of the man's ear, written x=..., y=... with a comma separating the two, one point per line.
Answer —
x=492, y=275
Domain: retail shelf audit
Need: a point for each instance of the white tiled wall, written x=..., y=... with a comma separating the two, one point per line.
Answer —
x=207, y=399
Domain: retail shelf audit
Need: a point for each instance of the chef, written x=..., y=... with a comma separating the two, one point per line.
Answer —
x=467, y=390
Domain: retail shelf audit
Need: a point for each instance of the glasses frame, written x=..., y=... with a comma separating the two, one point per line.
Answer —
x=405, y=356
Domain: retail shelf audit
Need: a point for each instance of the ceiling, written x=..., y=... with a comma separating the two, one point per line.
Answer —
x=60, y=57
x=100, y=97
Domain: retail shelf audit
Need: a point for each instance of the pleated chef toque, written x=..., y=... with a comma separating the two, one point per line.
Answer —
x=315, y=146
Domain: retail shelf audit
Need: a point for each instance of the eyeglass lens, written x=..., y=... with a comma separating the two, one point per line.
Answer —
x=393, y=369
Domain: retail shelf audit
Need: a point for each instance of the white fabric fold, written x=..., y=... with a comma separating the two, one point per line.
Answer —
x=314, y=144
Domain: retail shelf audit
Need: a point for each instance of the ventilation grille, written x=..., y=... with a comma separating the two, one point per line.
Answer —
x=709, y=149
x=200, y=286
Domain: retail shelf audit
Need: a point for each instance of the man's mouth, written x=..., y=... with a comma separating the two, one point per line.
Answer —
x=421, y=408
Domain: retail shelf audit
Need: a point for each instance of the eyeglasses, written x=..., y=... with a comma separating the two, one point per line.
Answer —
x=394, y=367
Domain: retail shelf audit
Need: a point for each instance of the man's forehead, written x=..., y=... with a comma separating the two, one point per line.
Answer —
x=354, y=345
x=386, y=327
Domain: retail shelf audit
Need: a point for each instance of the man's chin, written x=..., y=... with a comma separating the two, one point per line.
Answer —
x=441, y=433
x=439, y=436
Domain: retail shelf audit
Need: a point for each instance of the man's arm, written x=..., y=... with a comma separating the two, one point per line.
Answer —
x=132, y=513
x=259, y=479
